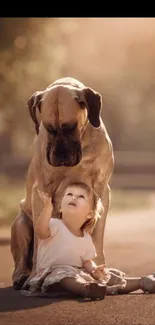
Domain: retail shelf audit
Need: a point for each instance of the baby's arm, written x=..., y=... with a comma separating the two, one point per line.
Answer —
x=99, y=272
x=89, y=266
x=41, y=225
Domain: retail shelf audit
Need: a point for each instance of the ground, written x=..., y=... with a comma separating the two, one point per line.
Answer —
x=129, y=245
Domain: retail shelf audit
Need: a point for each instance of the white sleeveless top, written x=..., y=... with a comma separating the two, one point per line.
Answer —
x=63, y=247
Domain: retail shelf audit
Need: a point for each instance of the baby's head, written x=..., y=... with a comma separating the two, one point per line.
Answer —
x=81, y=202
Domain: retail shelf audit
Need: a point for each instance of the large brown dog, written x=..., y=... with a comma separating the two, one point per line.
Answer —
x=71, y=144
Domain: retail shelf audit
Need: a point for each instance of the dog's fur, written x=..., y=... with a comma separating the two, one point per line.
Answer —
x=71, y=145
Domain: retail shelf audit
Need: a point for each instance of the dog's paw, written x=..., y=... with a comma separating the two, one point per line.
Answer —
x=26, y=284
x=18, y=282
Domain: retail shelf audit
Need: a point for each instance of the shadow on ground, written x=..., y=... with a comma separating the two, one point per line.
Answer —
x=12, y=300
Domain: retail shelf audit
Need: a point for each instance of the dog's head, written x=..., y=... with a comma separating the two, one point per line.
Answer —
x=63, y=110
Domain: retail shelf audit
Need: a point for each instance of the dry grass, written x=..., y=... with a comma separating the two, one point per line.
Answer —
x=12, y=192
x=10, y=195
x=132, y=199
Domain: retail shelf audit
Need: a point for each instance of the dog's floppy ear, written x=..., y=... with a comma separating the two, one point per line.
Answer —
x=93, y=101
x=33, y=104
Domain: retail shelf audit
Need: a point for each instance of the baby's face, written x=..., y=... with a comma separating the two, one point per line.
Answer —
x=77, y=201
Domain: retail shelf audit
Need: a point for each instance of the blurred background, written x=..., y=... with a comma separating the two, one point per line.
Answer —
x=114, y=56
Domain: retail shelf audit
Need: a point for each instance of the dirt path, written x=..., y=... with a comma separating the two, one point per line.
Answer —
x=129, y=245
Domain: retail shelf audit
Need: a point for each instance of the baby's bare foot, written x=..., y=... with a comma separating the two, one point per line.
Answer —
x=94, y=291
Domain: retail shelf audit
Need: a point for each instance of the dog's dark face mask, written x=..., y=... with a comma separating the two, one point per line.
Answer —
x=64, y=113
x=63, y=146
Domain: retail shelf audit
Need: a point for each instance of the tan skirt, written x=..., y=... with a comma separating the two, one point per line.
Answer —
x=54, y=274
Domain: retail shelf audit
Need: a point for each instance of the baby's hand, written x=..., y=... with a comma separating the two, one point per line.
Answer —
x=46, y=199
x=101, y=273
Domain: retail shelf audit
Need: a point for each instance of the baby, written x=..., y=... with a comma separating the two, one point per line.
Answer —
x=66, y=250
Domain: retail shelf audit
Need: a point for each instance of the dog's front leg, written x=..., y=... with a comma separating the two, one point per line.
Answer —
x=33, y=271
x=37, y=207
x=21, y=248
x=98, y=233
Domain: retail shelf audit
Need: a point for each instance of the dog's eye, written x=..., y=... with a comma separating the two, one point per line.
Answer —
x=81, y=102
x=51, y=130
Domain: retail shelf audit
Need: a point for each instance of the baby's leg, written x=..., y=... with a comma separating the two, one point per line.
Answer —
x=121, y=284
x=145, y=283
x=132, y=284
x=74, y=285
x=85, y=289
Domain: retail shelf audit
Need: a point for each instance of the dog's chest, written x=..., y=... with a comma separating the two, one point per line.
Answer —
x=81, y=173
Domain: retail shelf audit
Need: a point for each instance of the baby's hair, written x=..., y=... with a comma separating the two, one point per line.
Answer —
x=89, y=225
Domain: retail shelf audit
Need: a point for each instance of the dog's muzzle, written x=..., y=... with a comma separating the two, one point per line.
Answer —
x=63, y=154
